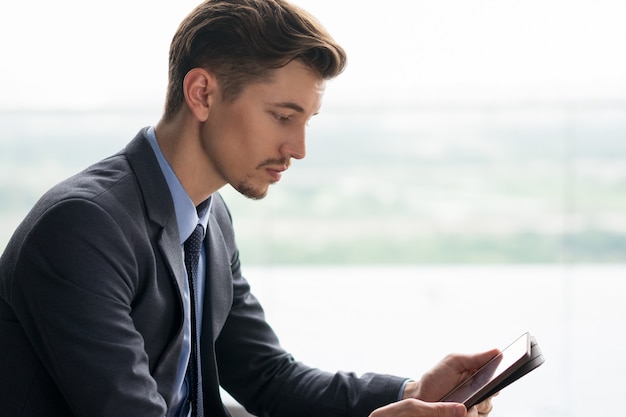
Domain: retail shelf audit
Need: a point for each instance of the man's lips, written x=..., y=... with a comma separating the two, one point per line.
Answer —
x=275, y=172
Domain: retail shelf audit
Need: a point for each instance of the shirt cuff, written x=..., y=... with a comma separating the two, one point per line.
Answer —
x=401, y=392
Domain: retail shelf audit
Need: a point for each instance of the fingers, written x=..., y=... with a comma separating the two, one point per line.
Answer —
x=485, y=407
x=416, y=408
x=472, y=412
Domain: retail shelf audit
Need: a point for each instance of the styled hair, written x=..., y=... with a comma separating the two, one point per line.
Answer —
x=243, y=41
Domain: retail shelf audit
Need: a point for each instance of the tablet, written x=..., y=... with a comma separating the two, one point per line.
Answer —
x=513, y=362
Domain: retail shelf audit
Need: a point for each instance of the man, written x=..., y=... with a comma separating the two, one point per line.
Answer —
x=100, y=315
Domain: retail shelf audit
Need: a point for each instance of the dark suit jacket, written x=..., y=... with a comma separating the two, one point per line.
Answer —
x=91, y=311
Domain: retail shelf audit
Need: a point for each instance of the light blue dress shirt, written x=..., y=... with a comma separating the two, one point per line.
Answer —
x=187, y=217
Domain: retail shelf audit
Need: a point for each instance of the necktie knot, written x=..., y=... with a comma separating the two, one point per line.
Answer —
x=193, y=242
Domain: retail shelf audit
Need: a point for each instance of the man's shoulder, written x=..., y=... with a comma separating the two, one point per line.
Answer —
x=110, y=183
x=115, y=174
x=106, y=176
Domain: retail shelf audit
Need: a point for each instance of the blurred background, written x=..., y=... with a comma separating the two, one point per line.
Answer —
x=465, y=181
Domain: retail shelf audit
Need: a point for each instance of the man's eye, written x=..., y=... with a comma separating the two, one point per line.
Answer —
x=281, y=117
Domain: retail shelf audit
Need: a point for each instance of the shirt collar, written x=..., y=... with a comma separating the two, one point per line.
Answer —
x=187, y=216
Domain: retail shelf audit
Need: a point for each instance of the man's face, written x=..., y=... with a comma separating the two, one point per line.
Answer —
x=250, y=141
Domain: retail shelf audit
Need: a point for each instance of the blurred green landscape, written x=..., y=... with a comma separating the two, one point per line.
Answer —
x=508, y=183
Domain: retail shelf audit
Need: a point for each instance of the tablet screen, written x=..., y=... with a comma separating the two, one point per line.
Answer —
x=492, y=372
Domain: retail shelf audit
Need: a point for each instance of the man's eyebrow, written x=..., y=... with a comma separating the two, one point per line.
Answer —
x=289, y=105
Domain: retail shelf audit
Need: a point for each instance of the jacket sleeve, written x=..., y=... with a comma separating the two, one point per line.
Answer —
x=266, y=380
x=75, y=276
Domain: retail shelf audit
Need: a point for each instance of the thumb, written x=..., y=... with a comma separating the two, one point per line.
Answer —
x=475, y=361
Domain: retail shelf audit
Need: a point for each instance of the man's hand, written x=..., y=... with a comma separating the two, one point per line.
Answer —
x=416, y=408
x=446, y=375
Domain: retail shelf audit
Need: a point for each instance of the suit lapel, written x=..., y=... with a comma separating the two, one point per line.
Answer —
x=169, y=244
x=159, y=205
x=219, y=294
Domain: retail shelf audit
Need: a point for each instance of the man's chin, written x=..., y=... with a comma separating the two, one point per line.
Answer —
x=256, y=196
x=251, y=192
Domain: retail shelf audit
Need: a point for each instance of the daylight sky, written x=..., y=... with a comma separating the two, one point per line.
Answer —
x=74, y=54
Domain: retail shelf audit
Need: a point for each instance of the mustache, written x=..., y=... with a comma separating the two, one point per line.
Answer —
x=270, y=162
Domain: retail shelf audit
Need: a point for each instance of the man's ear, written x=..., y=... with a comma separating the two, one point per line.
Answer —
x=200, y=89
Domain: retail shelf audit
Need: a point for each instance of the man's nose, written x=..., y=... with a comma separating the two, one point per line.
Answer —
x=295, y=146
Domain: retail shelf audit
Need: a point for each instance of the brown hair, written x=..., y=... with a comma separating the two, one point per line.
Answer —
x=242, y=41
